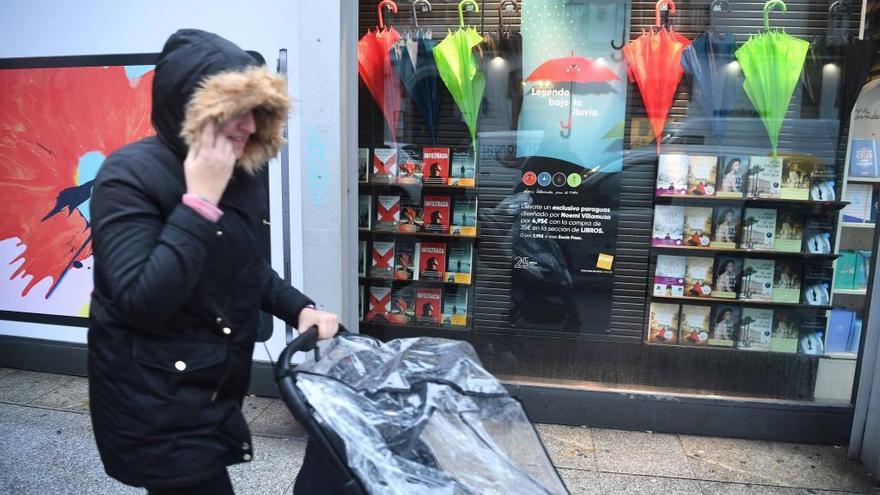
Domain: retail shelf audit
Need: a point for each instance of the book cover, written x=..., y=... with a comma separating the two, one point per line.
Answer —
x=362, y=258
x=411, y=216
x=672, y=175
x=863, y=158
x=361, y=292
x=856, y=335
x=698, y=276
x=840, y=323
x=365, y=212
x=701, y=175
x=406, y=259
x=435, y=166
x=789, y=232
x=758, y=229
x=845, y=270
x=663, y=323
x=383, y=259
x=765, y=177
x=464, y=217
x=695, y=324
x=463, y=171
x=875, y=205
x=823, y=187
x=786, y=331
x=455, y=307
x=787, y=281
x=812, y=339
x=725, y=325
x=755, y=329
x=384, y=165
x=380, y=304
x=859, y=208
x=409, y=165
x=428, y=306
x=460, y=261
x=727, y=276
x=669, y=275
x=797, y=174
x=728, y=222
x=437, y=214
x=403, y=311
x=817, y=285
x=387, y=213
x=432, y=260
x=668, y=226
x=863, y=269
x=818, y=236
x=363, y=165
x=697, y=226
x=731, y=176
x=757, y=280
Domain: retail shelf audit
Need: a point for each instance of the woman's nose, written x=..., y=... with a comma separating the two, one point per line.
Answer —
x=247, y=123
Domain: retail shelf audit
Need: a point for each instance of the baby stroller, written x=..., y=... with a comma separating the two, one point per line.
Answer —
x=414, y=416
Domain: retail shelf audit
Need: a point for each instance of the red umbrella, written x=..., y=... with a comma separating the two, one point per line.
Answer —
x=571, y=70
x=376, y=70
x=655, y=64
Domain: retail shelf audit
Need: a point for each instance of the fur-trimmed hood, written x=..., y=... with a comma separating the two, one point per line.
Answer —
x=202, y=77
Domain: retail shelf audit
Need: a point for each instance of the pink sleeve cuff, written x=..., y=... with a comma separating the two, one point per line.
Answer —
x=203, y=207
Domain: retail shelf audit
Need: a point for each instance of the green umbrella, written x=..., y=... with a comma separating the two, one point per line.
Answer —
x=460, y=71
x=771, y=62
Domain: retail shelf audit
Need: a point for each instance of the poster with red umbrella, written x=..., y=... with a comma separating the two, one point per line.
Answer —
x=377, y=71
x=654, y=60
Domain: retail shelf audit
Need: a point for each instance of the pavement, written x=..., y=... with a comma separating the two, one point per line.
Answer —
x=46, y=447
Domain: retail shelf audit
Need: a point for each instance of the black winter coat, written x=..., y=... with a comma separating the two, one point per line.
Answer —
x=177, y=299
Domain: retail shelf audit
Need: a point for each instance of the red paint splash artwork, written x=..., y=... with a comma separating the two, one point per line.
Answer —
x=49, y=119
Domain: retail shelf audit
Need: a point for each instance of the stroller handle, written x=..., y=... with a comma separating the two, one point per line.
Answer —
x=304, y=342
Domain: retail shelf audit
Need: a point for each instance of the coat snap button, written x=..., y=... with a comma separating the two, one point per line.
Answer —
x=219, y=233
x=180, y=365
x=219, y=320
x=227, y=330
x=245, y=446
x=246, y=457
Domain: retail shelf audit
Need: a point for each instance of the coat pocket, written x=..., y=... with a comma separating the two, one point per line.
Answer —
x=183, y=372
x=179, y=357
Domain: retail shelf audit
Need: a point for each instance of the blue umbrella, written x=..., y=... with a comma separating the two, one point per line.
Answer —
x=709, y=61
x=414, y=62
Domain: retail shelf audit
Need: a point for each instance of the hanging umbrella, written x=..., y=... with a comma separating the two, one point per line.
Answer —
x=771, y=62
x=459, y=69
x=655, y=64
x=859, y=57
x=414, y=61
x=571, y=70
x=709, y=60
x=375, y=68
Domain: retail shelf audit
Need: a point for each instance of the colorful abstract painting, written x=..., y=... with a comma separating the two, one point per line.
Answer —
x=56, y=127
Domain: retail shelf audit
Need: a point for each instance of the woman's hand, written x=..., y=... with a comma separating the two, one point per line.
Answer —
x=209, y=165
x=327, y=323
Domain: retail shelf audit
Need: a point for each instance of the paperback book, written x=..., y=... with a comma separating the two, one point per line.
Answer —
x=797, y=176
x=698, y=276
x=669, y=275
x=428, y=305
x=823, y=187
x=362, y=258
x=406, y=260
x=437, y=214
x=363, y=165
x=672, y=175
x=859, y=197
x=384, y=165
x=727, y=276
x=409, y=165
x=757, y=280
x=863, y=158
x=365, y=212
x=663, y=323
x=403, y=311
x=695, y=324
x=432, y=260
x=765, y=177
x=383, y=259
x=787, y=281
x=668, y=226
x=759, y=229
x=460, y=261
x=463, y=171
x=380, y=304
x=818, y=236
x=789, y=232
x=725, y=325
x=786, y=330
x=411, y=216
x=435, y=169
x=464, y=217
x=755, y=329
x=455, y=307
x=728, y=222
x=388, y=213
x=701, y=175
x=817, y=285
x=697, y=226
x=731, y=176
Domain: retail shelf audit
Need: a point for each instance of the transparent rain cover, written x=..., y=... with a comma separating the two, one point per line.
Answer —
x=422, y=416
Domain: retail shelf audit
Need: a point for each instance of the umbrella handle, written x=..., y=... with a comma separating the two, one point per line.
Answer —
x=772, y=4
x=415, y=15
x=385, y=3
x=657, y=7
x=461, y=10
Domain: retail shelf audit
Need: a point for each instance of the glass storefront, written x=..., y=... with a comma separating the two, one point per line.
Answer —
x=672, y=197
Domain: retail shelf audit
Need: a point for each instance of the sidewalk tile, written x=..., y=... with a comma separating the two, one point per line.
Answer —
x=72, y=396
x=626, y=484
x=254, y=406
x=778, y=464
x=276, y=421
x=569, y=446
x=23, y=387
x=273, y=470
x=635, y=452
x=581, y=482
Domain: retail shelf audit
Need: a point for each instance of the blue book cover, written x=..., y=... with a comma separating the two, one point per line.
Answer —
x=863, y=158
x=875, y=206
x=855, y=335
x=840, y=325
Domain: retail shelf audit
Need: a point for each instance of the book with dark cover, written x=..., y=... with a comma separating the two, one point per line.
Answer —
x=863, y=161
x=787, y=281
x=437, y=210
x=363, y=165
x=757, y=280
x=818, y=236
x=409, y=165
x=411, y=215
x=464, y=217
x=731, y=176
x=361, y=299
x=384, y=165
x=362, y=258
x=365, y=212
x=406, y=260
x=455, y=307
x=428, y=305
x=463, y=171
x=727, y=276
x=725, y=325
x=797, y=176
x=786, y=331
x=758, y=229
x=432, y=261
x=755, y=329
x=403, y=311
x=823, y=187
x=435, y=169
x=663, y=323
x=817, y=285
x=460, y=262
x=728, y=222
x=789, y=232
x=812, y=338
